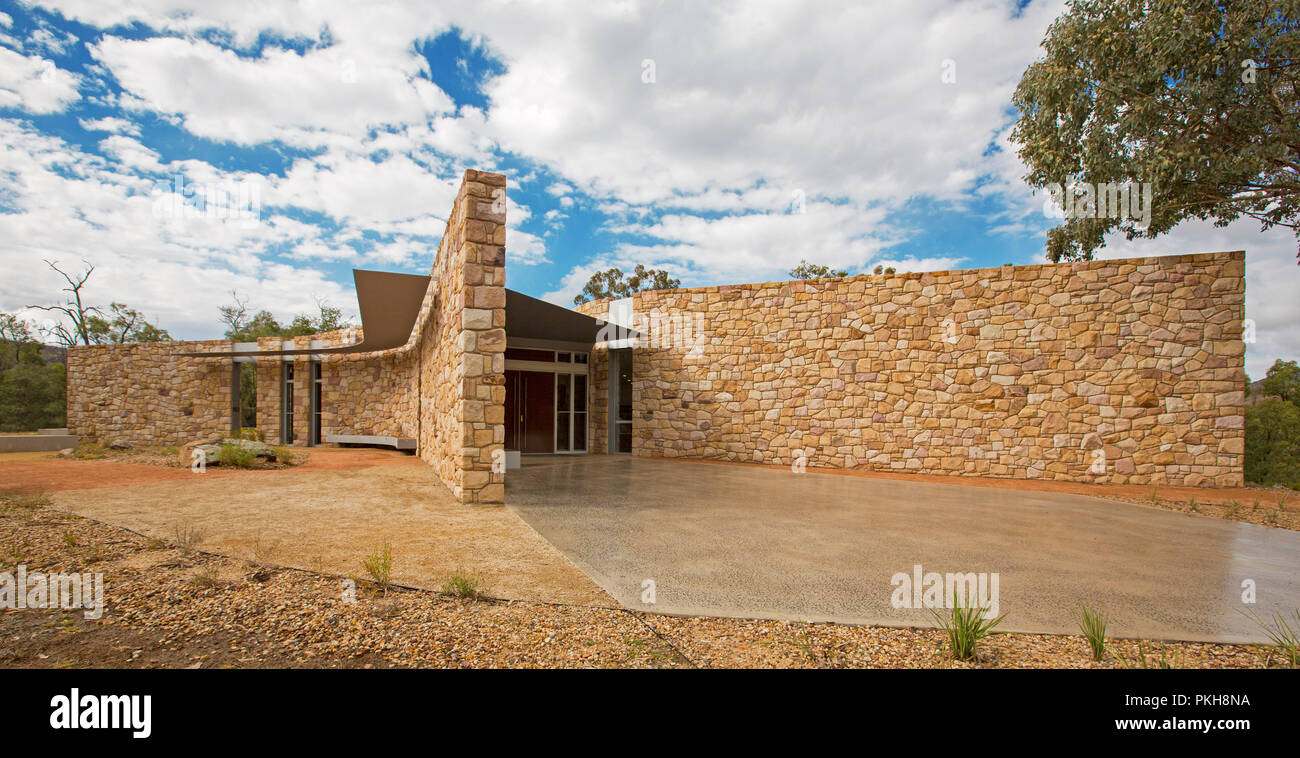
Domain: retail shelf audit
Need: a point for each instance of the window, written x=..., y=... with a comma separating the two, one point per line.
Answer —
x=286, y=403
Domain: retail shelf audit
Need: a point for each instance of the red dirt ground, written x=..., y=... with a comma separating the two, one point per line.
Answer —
x=55, y=474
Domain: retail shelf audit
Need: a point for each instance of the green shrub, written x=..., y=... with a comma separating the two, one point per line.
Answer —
x=235, y=455
x=251, y=434
x=1273, y=443
x=89, y=451
x=283, y=455
x=964, y=627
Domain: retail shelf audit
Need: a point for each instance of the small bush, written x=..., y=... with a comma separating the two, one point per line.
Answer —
x=1092, y=623
x=964, y=626
x=69, y=539
x=89, y=451
x=379, y=565
x=283, y=455
x=235, y=455
x=461, y=584
x=251, y=434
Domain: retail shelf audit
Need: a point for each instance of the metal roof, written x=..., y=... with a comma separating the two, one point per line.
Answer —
x=390, y=305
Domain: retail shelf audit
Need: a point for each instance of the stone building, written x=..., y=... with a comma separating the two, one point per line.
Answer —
x=1124, y=371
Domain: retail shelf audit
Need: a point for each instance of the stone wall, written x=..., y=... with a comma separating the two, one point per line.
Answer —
x=445, y=387
x=145, y=395
x=1125, y=371
x=462, y=345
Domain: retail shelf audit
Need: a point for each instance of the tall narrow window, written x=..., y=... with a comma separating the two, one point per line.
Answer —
x=286, y=403
x=316, y=386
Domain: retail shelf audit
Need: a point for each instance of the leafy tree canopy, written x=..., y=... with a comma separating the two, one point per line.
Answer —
x=1196, y=97
x=806, y=270
x=613, y=283
x=243, y=326
x=123, y=324
x=1283, y=381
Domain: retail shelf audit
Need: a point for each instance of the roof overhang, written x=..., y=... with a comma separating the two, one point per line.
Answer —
x=390, y=304
x=528, y=318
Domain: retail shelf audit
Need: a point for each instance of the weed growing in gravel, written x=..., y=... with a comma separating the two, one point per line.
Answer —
x=69, y=539
x=964, y=627
x=28, y=501
x=187, y=538
x=1231, y=509
x=1092, y=622
x=1154, y=500
x=1149, y=660
x=155, y=543
x=379, y=565
x=1195, y=508
x=205, y=578
x=283, y=455
x=1285, y=638
x=461, y=584
x=263, y=551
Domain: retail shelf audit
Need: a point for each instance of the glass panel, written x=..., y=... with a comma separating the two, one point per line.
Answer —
x=624, y=438
x=625, y=386
x=564, y=358
x=579, y=393
x=525, y=354
x=579, y=357
x=562, y=432
x=579, y=431
x=562, y=392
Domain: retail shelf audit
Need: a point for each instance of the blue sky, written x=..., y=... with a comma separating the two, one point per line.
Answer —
x=724, y=142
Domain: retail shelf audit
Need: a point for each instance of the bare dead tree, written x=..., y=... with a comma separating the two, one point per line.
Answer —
x=74, y=309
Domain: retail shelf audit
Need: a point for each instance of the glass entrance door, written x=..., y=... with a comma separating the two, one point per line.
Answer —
x=570, y=413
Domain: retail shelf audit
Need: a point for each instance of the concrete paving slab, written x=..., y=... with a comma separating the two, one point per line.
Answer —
x=764, y=543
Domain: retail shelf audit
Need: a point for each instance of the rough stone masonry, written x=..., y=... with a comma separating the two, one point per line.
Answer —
x=1126, y=371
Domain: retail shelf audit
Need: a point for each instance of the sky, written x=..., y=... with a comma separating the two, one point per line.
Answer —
x=191, y=150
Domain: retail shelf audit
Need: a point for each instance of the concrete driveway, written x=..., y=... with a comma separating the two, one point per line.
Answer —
x=756, y=542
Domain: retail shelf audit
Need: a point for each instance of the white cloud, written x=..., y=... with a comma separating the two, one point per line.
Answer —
x=34, y=84
x=298, y=98
x=1272, y=278
x=110, y=124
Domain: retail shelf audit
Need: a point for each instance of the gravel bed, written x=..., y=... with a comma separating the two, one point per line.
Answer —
x=166, y=609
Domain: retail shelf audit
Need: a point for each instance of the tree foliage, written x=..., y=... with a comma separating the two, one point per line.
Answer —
x=123, y=324
x=244, y=325
x=32, y=392
x=1282, y=381
x=1273, y=428
x=806, y=270
x=1197, y=97
x=613, y=283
